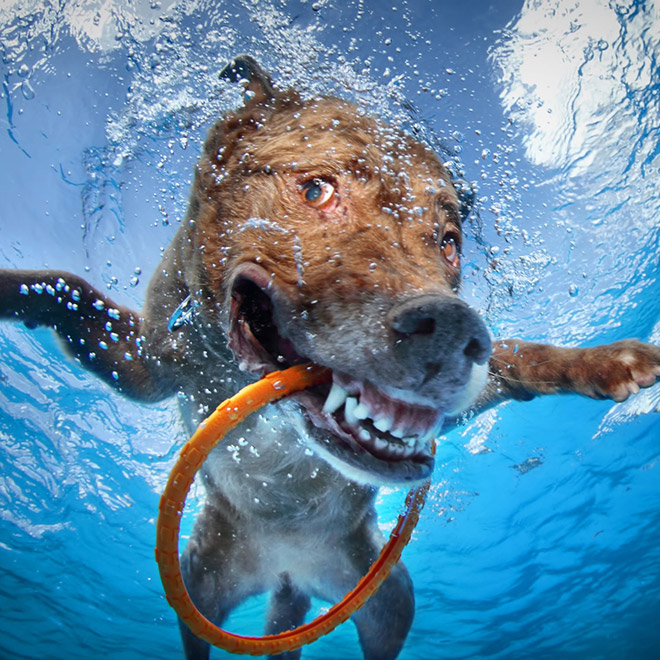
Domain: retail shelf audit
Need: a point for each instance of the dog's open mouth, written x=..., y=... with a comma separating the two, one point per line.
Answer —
x=374, y=434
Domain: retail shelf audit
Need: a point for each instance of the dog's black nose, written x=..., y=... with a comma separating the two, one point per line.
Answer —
x=436, y=332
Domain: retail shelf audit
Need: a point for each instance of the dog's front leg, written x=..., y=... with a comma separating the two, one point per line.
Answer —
x=288, y=606
x=104, y=337
x=220, y=570
x=521, y=370
x=384, y=620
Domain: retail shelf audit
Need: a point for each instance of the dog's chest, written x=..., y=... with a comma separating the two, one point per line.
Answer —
x=269, y=477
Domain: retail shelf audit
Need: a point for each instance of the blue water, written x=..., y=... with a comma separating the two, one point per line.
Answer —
x=541, y=537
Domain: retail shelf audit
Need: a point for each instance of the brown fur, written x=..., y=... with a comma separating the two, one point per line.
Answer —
x=366, y=286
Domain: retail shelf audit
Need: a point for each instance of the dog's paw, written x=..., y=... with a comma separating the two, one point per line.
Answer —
x=617, y=370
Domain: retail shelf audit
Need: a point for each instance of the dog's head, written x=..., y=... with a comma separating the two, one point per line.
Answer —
x=318, y=233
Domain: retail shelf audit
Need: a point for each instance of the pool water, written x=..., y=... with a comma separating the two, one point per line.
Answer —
x=541, y=536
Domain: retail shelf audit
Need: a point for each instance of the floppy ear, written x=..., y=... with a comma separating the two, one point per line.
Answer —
x=257, y=82
x=230, y=129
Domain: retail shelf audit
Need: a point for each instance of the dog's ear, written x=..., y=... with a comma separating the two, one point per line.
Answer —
x=257, y=82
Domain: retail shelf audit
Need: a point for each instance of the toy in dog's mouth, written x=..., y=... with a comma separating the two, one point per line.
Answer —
x=375, y=435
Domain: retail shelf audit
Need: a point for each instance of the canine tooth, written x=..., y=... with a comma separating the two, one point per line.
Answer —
x=383, y=424
x=335, y=399
x=361, y=411
x=349, y=410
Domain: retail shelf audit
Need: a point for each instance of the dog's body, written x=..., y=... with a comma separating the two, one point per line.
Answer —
x=314, y=233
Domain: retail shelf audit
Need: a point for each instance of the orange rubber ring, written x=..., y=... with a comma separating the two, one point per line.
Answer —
x=229, y=413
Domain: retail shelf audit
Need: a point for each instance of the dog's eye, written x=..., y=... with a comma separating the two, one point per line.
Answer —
x=318, y=194
x=450, y=251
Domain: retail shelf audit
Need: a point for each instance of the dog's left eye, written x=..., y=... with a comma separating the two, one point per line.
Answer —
x=318, y=194
x=450, y=250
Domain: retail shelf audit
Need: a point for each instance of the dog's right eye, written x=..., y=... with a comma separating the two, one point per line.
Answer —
x=318, y=194
x=451, y=250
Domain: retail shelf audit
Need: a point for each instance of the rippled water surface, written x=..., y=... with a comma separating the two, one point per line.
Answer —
x=542, y=532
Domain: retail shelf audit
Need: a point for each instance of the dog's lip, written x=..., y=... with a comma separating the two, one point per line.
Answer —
x=248, y=344
x=259, y=276
x=391, y=443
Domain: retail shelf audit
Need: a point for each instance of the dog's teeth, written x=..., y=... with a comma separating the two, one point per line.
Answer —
x=335, y=399
x=383, y=424
x=364, y=435
x=361, y=411
x=380, y=444
x=397, y=433
x=349, y=410
x=410, y=442
x=408, y=451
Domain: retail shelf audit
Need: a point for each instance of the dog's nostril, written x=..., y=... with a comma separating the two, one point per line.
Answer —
x=423, y=326
x=473, y=349
x=414, y=324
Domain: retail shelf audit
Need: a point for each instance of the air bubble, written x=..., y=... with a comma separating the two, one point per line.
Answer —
x=28, y=90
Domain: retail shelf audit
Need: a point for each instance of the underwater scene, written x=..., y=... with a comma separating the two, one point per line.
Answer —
x=540, y=536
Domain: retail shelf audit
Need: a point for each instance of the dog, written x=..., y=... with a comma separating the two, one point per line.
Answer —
x=314, y=233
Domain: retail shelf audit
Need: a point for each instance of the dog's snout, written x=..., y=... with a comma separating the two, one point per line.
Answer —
x=435, y=329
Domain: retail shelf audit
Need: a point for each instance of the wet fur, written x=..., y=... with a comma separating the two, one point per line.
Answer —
x=278, y=519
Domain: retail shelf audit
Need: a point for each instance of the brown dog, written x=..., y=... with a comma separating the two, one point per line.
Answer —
x=314, y=233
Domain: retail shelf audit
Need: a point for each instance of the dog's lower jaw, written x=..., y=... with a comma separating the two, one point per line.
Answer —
x=356, y=467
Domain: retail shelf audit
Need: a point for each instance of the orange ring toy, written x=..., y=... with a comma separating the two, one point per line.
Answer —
x=228, y=414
